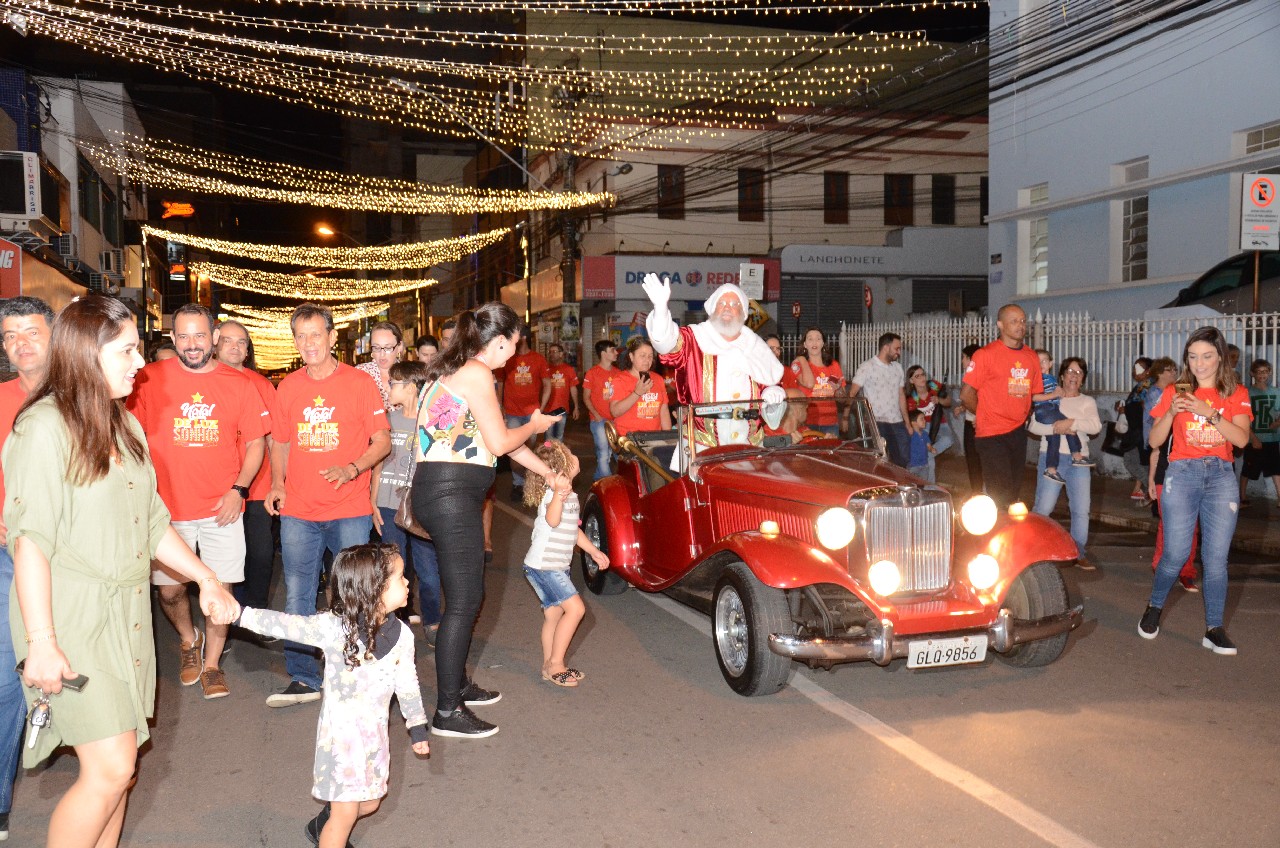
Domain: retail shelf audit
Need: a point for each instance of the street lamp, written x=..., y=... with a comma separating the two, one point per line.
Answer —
x=323, y=229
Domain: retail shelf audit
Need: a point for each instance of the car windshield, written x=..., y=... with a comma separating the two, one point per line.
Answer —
x=796, y=420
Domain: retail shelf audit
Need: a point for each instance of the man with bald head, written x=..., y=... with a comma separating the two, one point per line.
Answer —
x=998, y=386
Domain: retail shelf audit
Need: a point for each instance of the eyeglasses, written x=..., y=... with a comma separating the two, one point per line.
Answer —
x=1074, y=371
x=381, y=349
x=400, y=383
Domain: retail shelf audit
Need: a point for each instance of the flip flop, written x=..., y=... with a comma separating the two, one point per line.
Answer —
x=577, y=675
x=561, y=678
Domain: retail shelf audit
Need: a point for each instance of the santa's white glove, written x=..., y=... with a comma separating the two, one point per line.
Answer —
x=658, y=291
x=774, y=394
x=662, y=328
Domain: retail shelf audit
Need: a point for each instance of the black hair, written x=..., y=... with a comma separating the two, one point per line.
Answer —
x=426, y=339
x=636, y=342
x=357, y=581
x=970, y=349
x=1084, y=367
x=475, y=329
x=196, y=309
x=827, y=357
x=886, y=339
x=603, y=345
x=162, y=346
x=391, y=327
x=410, y=369
x=20, y=307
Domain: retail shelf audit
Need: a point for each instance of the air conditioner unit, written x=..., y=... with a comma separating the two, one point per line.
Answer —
x=28, y=189
x=67, y=247
x=111, y=261
x=98, y=282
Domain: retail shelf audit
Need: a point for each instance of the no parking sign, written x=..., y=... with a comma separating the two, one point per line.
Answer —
x=1259, y=213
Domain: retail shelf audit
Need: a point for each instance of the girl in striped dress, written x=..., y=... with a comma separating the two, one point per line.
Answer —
x=546, y=566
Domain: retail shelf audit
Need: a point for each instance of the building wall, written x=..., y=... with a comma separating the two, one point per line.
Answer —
x=1179, y=91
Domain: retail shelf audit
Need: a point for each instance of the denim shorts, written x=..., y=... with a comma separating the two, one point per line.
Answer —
x=553, y=587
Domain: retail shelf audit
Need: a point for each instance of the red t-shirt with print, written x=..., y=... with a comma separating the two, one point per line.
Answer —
x=563, y=377
x=12, y=397
x=1193, y=436
x=522, y=378
x=599, y=385
x=645, y=413
x=196, y=424
x=1005, y=379
x=325, y=423
x=826, y=380
x=261, y=484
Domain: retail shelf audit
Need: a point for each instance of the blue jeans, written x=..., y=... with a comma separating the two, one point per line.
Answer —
x=1077, y=486
x=517, y=470
x=420, y=554
x=897, y=441
x=556, y=430
x=1205, y=489
x=603, y=454
x=302, y=547
x=13, y=709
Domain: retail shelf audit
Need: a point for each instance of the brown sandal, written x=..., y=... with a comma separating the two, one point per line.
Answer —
x=561, y=678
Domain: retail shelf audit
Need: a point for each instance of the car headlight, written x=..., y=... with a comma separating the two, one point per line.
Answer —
x=978, y=515
x=835, y=528
x=984, y=571
x=884, y=578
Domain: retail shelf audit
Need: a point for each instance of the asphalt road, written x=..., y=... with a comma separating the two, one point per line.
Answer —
x=1122, y=742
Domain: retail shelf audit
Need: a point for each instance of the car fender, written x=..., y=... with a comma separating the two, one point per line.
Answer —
x=783, y=562
x=618, y=502
x=1019, y=541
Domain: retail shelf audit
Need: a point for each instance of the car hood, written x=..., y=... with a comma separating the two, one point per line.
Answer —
x=828, y=476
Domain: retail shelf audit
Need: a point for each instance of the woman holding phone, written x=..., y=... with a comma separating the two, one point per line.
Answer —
x=84, y=523
x=1207, y=412
x=640, y=398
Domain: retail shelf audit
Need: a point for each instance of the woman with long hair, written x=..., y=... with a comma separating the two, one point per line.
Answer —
x=818, y=374
x=639, y=396
x=84, y=523
x=1207, y=412
x=460, y=435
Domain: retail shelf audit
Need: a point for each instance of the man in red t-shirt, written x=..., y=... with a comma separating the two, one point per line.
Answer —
x=597, y=394
x=564, y=390
x=526, y=386
x=998, y=386
x=261, y=530
x=25, y=323
x=197, y=414
x=330, y=429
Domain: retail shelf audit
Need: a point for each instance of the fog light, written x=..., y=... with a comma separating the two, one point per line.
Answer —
x=984, y=571
x=978, y=515
x=769, y=529
x=835, y=528
x=1018, y=510
x=884, y=578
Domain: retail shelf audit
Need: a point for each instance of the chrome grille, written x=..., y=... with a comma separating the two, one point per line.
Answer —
x=917, y=538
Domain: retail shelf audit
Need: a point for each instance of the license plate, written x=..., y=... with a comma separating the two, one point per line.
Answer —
x=930, y=653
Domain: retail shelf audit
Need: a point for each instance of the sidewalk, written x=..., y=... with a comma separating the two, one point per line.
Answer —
x=1110, y=505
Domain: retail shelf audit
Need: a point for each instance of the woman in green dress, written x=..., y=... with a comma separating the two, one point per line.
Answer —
x=84, y=523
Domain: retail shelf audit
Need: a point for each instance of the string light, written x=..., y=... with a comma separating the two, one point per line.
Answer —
x=303, y=287
x=343, y=313
x=390, y=257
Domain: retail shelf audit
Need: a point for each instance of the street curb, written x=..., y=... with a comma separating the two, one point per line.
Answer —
x=1253, y=546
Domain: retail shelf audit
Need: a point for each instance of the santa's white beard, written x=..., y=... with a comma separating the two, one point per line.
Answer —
x=727, y=327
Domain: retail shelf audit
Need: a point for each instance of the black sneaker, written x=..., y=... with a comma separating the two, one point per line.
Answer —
x=294, y=693
x=317, y=824
x=4, y=826
x=474, y=696
x=1149, y=627
x=1083, y=462
x=463, y=724
x=1216, y=640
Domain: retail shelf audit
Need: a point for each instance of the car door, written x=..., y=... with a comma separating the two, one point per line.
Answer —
x=1221, y=287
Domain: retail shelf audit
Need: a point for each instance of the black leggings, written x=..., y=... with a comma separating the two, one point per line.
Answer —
x=448, y=500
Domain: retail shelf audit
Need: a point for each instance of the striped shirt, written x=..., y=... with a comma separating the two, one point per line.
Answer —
x=551, y=548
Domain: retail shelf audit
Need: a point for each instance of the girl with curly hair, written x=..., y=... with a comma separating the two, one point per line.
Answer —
x=546, y=566
x=368, y=658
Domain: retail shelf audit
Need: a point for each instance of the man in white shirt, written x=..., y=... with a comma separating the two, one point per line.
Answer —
x=881, y=378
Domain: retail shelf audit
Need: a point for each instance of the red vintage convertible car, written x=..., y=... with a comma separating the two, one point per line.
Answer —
x=817, y=549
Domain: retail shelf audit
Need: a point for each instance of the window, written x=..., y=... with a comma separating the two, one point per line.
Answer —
x=110, y=216
x=835, y=197
x=1263, y=138
x=984, y=199
x=89, y=189
x=1133, y=228
x=750, y=194
x=944, y=199
x=671, y=191
x=899, y=200
x=1037, y=245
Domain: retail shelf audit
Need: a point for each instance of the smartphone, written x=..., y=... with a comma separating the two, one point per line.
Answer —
x=76, y=684
x=559, y=410
x=1182, y=388
x=644, y=375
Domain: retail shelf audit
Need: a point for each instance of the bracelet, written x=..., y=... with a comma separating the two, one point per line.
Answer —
x=355, y=467
x=46, y=634
x=205, y=580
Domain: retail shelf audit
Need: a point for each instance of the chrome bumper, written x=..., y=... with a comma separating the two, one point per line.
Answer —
x=879, y=645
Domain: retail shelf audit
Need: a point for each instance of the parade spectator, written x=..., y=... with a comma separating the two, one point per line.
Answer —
x=1261, y=458
x=919, y=448
x=486, y=517
x=386, y=346
x=1207, y=412
x=526, y=386
x=998, y=385
x=597, y=394
x=320, y=475
x=564, y=390
x=881, y=378
x=973, y=463
x=775, y=345
x=163, y=350
x=1136, y=452
x=640, y=398
x=546, y=565
x=25, y=326
x=1079, y=418
x=461, y=434
x=206, y=429
x=426, y=346
x=818, y=374
x=408, y=379
x=930, y=398
x=84, y=520
x=1045, y=410
x=261, y=529
x=369, y=657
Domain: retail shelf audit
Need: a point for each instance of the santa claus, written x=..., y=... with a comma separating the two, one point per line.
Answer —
x=720, y=359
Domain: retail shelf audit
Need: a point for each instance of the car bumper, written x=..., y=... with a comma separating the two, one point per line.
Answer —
x=880, y=645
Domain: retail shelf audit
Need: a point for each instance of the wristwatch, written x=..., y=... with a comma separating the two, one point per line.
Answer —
x=243, y=490
x=1215, y=417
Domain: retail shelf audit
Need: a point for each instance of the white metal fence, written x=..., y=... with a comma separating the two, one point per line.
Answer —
x=1109, y=347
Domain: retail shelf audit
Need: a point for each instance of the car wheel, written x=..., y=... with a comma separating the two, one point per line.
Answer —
x=600, y=582
x=745, y=613
x=1038, y=592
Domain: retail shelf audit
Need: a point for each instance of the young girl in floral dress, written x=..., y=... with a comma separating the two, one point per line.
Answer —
x=368, y=658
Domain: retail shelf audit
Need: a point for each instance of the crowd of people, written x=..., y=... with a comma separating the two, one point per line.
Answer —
x=194, y=468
